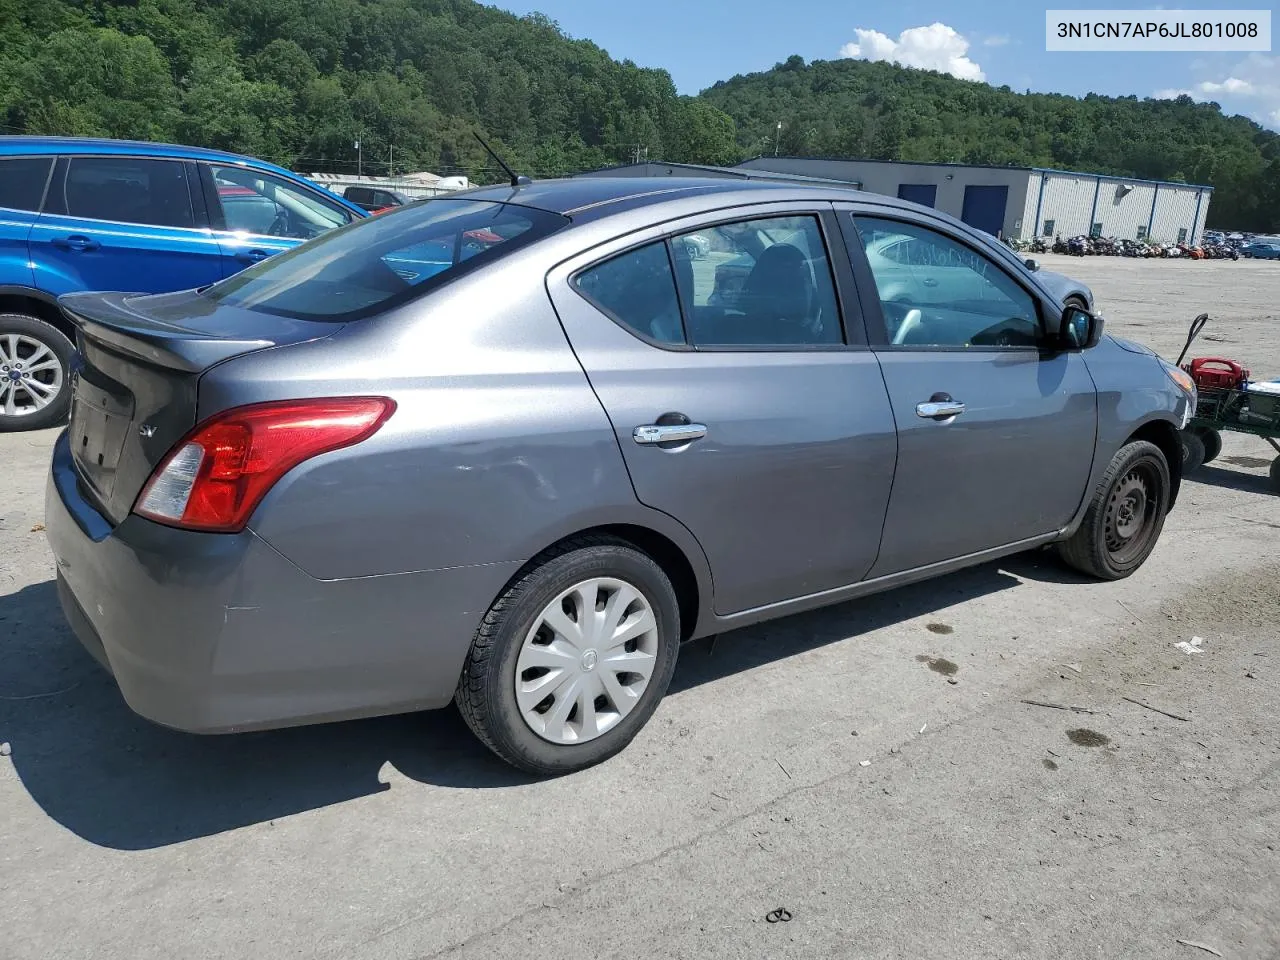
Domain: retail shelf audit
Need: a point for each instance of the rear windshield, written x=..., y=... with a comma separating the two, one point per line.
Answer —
x=378, y=263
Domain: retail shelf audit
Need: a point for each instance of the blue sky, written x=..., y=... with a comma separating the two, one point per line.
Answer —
x=998, y=41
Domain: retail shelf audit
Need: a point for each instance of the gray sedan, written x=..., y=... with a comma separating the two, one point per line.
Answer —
x=511, y=448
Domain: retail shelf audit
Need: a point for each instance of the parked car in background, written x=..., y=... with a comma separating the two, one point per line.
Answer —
x=375, y=199
x=1262, y=250
x=512, y=428
x=79, y=214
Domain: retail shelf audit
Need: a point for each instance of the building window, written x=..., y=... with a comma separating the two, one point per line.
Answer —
x=1142, y=232
x=1182, y=234
x=1095, y=230
x=1048, y=228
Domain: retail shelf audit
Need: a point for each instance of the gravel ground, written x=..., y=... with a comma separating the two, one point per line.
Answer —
x=825, y=763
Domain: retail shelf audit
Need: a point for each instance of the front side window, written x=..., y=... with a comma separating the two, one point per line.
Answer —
x=764, y=282
x=944, y=294
x=22, y=182
x=127, y=190
x=378, y=263
x=254, y=202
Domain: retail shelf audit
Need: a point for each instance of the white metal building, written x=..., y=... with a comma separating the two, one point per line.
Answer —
x=1021, y=202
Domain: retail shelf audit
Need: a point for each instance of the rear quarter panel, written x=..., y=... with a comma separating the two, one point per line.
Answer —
x=497, y=449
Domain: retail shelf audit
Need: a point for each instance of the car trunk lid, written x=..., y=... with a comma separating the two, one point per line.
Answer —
x=139, y=360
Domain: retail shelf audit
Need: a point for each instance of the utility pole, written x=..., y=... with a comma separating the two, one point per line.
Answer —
x=391, y=163
x=777, y=138
x=359, y=159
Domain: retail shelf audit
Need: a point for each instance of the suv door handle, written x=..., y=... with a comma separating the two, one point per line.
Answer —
x=76, y=242
x=668, y=433
x=929, y=282
x=252, y=256
x=939, y=407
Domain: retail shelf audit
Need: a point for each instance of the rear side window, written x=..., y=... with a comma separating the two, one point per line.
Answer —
x=380, y=262
x=638, y=290
x=128, y=190
x=22, y=182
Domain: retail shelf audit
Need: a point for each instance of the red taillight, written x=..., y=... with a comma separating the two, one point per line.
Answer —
x=215, y=477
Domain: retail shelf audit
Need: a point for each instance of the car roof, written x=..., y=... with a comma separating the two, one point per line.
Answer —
x=588, y=197
x=29, y=145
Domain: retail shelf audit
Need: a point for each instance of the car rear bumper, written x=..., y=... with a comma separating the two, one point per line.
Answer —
x=214, y=633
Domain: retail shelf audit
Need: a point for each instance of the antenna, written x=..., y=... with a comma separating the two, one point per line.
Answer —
x=516, y=180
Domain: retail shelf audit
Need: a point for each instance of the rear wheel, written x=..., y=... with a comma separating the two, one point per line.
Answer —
x=1212, y=441
x=571, y=660
x=1275, y=474
x=35, y=360
x=1125, y=516
x=1193, y=451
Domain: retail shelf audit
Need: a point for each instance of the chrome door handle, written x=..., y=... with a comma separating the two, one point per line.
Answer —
x=668, y=433
x=939, y=409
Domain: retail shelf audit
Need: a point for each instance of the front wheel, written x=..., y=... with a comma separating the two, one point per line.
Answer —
x=35, y=358
x=1125, y=516
x=571, y=660
x=1275, y=474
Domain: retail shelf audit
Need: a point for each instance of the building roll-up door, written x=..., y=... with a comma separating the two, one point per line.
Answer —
x=984, y=207
x=922, y=193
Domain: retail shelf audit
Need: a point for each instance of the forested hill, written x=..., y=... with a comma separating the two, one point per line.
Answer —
x=855, y=108
x=298, y=81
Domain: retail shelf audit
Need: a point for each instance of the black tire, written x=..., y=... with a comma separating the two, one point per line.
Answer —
x=1275, y=474
x=1193, y=451
x=1109, y=544
x=49, y=336
x=1212, y=441
x=486, y=694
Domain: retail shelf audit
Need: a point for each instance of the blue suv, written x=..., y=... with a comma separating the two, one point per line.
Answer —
x=78, y=214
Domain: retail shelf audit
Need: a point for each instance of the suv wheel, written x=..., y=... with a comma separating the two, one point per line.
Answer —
x=571, y=661
x=1125, y=516
x=35, y=388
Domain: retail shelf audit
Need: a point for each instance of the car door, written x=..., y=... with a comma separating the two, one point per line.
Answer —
x=255, y=214
x=762, y=425
x=995, y=433
x=122, y=223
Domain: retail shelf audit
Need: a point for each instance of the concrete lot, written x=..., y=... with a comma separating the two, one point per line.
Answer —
x=981, y=826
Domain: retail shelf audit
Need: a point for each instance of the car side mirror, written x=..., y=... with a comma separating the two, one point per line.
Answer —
x=1079, y=329
x=1031, y=264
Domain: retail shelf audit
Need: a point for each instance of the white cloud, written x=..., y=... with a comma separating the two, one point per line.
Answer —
x=1251, y=86
x=1230, y=85
x=935, y=47
x=998, y=40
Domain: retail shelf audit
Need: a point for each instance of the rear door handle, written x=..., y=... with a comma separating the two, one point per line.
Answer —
x=939, y=407
x=668, y=433
x=929, y=282
x=252, y=256
x=76, y=242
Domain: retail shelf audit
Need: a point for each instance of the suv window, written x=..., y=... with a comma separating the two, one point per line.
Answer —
x=764, y=282
x=944, y=294
x=381, y=262
x=638, y=290
x=259, y=203
x=126, y=190
x=22, y=182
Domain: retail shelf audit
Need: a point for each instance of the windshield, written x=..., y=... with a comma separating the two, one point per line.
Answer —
x=384, y=261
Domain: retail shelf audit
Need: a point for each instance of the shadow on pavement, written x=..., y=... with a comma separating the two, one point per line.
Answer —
x=119, y=781
x=1215, y=476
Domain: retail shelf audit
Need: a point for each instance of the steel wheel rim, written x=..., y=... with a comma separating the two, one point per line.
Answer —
x=586, y=661
x=30, y=375
x=1131, y=513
